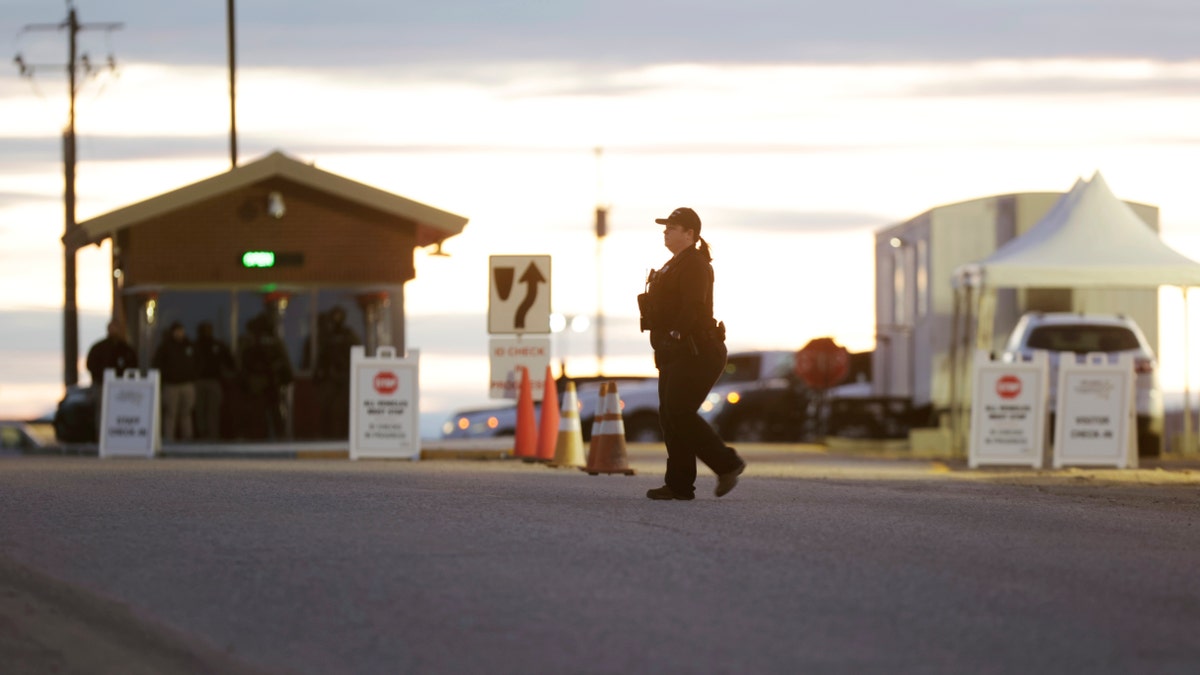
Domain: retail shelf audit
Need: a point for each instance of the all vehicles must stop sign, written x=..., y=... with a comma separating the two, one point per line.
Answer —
x=822, y=363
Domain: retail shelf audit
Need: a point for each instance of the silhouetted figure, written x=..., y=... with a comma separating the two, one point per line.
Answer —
x=265, y=372
x=111, y=352
x=214, y=364
x=690, y=353
x=175, y=360
x=332, y=374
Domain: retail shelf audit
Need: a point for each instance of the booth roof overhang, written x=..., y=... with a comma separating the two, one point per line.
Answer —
x=432, y=225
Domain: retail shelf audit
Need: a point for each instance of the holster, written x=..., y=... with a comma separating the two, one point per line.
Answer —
x=646, y=309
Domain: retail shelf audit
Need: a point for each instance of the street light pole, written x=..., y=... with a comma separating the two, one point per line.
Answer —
x=601, y=232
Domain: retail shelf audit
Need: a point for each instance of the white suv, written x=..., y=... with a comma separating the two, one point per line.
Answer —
x=1062, y=332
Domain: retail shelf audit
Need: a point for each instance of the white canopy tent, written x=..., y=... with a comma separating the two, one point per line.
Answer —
x=1088, y=239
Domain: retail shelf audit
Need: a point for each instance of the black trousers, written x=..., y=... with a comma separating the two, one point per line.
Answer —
x=684, y=380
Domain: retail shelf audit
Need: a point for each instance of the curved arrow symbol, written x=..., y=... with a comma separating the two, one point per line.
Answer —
x=531, y=277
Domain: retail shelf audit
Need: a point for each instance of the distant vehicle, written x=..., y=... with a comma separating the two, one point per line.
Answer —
x=19, y=437
x=1059, y=333
x=758, y=398
x=639, y=411
x=75, y=417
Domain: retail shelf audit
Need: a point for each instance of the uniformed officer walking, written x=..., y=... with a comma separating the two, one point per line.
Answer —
x=690, y=353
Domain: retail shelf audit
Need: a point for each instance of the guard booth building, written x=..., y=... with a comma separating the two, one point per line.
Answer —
x=275, y=242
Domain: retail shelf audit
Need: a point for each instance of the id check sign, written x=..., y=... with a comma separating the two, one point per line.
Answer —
x=518, y=294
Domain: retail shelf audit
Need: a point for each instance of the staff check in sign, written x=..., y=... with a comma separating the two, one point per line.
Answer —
x=518, y=294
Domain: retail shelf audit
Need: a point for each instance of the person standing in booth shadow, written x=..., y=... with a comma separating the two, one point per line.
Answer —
x=266, y=370
x=332, y=374
x=214, y=364
x=111, y=352
x=176, y=361
x=690, y=354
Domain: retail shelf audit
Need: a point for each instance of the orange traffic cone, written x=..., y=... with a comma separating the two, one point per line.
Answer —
x=569, y=449
x=607, y=453
x=548, y=431
x=525, y=441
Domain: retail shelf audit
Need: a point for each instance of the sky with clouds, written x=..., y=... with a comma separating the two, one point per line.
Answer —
x=797, y=128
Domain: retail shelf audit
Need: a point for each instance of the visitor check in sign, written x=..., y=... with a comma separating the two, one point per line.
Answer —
x=1095, y=425
x=129, y=414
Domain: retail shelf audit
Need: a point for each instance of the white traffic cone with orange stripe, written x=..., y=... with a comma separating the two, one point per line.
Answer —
x=568, y=451
x=607, y=451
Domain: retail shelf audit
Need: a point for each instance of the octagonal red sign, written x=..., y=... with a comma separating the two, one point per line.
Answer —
x=1008, y=386
x=386, y=382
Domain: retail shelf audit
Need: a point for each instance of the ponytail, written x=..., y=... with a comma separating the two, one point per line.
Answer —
x=704, y=249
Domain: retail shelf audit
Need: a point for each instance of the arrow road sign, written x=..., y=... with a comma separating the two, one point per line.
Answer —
x=525, y=307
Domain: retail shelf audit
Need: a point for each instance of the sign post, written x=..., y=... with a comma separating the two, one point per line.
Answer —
x=1095, y=424
x=1008, y=412
x=384, y=405
x=129, y=414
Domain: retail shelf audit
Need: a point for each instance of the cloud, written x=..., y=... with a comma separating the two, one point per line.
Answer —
x=401, y=38
x=796, y=222
x=1121, y=78
x=15, y=198
x=26, y=330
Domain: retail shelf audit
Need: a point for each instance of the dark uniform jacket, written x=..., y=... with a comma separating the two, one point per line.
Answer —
x=110, y=352
x=176, y=361
x=680, y=302
x=214, y=360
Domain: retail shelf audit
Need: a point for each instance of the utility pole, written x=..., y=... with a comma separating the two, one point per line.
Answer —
x=74, y=63
x=232, y=35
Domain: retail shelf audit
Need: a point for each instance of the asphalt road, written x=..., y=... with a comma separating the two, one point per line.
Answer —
x=814, y=564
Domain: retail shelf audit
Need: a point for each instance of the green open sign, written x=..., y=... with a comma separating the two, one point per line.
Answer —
x=258, y=259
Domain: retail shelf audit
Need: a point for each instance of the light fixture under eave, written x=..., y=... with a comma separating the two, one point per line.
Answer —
x=439, y=252
x=275, y=205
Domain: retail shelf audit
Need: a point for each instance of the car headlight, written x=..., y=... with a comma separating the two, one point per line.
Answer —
x=715, y=402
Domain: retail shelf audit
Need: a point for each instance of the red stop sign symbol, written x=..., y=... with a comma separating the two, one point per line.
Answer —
x=822, y=363
x=1008, y=386
x=386, y=382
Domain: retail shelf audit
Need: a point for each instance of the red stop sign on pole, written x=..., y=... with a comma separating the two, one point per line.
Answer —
x=822, y=363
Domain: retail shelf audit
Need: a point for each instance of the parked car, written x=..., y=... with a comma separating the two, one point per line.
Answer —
x=1059, y=333
x=639, y=411
x=758, y=398
x=75, y=416
x=18, y=437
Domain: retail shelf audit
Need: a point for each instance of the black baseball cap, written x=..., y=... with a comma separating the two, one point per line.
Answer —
x=683, y=217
